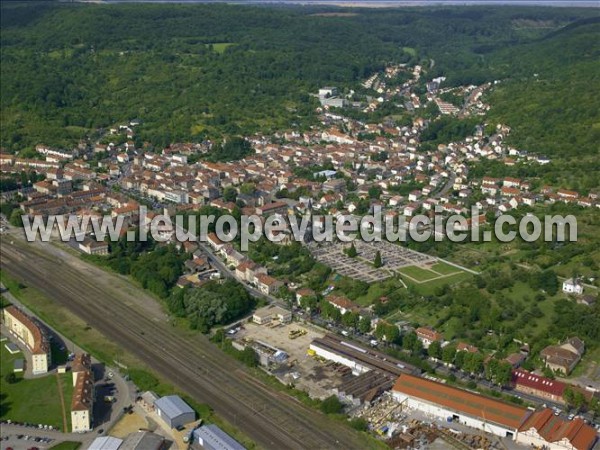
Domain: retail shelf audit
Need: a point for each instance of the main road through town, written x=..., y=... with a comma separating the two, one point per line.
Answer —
x=129, y=317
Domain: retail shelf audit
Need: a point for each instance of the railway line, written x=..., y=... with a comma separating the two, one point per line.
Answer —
x=272, y=419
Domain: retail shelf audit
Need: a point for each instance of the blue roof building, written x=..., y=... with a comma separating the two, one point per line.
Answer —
x=211, y=437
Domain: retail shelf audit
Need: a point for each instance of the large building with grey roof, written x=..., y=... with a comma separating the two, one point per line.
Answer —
x=174, y=411
x=105, y=443
x=211, y=437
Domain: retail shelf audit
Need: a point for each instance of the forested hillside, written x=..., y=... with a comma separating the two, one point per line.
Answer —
x=196, y=71
x=552, y=100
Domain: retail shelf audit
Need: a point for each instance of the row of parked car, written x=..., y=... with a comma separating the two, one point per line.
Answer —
x=41, y=440
x=27, y=424
x=24, y=437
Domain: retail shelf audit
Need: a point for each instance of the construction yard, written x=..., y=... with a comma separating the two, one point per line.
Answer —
x=404, y=428
x=309, y=373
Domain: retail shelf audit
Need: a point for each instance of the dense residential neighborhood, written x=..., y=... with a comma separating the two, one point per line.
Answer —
x=458, y=310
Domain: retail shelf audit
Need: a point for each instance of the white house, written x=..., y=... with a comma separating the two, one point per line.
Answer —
x=572, y=286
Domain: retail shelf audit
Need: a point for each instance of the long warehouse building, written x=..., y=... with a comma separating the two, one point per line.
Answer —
x=471, y=409
x=532, y=428
x=357, y=357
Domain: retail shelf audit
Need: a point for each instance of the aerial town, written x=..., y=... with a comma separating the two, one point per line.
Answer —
x=356, y=167
x=118, y=342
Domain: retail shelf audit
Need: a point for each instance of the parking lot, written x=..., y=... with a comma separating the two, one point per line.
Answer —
x=19, y=437
x=394, y=257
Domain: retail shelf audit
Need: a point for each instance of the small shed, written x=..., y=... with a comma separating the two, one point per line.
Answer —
x=19, y=365
x=147, y=400
x=174, y=411
x=12, y=348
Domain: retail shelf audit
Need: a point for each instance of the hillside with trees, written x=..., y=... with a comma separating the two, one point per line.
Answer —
x=192, y=72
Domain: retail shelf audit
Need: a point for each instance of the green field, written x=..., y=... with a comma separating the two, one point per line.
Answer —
x=64, y=322
x=220, y=47
x=419, y=274
x=67, y=445
x=33, y=400
x=430, y=287
x=378, y=290
x=410, y=50
x=444, y=269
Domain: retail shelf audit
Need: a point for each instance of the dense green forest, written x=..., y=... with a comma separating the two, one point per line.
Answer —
x=156, y=267
x=196, y=71
x=215, y=304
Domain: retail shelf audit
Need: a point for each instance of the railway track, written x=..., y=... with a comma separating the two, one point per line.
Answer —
x=272, y=419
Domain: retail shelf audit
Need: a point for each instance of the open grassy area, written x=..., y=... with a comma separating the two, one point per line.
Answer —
x=66, y=323
x=67, y=445
x=33, y=400
x=220, y=47
x=378, y=290
x=419, y=274
x=410, y=50
x=426, y=281
x=430, y=287
x=444, y=269
x=588, y=365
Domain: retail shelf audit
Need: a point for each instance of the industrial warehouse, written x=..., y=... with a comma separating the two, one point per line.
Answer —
x=458, y=405
x=538, y=428
x=358, y=358
x=375, y=372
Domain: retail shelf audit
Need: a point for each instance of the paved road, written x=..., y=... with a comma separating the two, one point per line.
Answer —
x=105, y=301
x=12, y=431
x=216, y=262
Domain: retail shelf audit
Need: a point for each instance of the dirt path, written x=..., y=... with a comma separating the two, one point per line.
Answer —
x=62, y=403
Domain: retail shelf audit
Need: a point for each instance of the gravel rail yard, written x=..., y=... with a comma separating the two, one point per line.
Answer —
x=107, y=302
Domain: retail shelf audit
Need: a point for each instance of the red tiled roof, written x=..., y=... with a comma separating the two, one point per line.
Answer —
x=558, y=355
x=81, y=363
x=342, y=302
x=40, y=345
x=462, y=346
x=272, y=206
x=83, y=392
x=523, y=378
x=267, y=280
x=462, y=401
x=305, y=292
x=245, y=265
x=554, y=429
x=428, y=333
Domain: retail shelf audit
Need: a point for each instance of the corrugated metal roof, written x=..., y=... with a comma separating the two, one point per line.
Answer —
x=216, y=438
x=142, y=440
x=105, y=443
x=173, y=406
